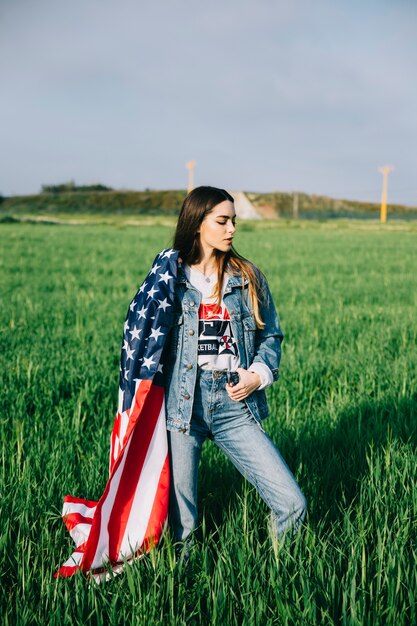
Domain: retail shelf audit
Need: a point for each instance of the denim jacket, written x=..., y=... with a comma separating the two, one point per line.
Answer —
x=253, y=345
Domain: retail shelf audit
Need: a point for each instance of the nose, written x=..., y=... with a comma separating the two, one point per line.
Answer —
x=231, y=228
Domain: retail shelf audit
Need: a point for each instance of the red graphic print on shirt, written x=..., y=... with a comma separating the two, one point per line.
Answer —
x=215, y=335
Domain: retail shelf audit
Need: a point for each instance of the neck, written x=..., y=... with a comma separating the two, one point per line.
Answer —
x=206, y=263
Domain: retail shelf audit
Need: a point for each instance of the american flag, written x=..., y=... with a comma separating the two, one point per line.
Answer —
x=131, y=515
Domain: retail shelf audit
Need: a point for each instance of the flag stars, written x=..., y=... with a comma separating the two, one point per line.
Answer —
x=168, y=253
x=166, y=276
x=135, y=333
x=156, y=333
x=151, y=292
x=164, y=304
x=148, y=362
x=154, y=268
x=143, y=336
x=129, y=354
x=142, y=313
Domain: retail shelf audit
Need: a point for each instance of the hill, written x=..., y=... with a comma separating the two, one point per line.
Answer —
x=315, y=206
x=168, y=202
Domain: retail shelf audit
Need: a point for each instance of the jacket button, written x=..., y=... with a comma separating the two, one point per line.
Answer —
x=187, y=396
x=191, y=303
x=189, y=366
x=183, y=430
x=191, y=332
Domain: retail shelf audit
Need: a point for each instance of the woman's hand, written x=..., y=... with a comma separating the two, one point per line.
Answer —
x=249, y=381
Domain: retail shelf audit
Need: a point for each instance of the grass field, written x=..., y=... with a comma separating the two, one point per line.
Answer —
x=343, y=414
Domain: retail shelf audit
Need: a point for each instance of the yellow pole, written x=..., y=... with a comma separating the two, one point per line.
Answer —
x=385, y=170
x=190, y=165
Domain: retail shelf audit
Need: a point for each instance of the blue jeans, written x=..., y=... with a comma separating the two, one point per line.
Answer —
x=234, y=430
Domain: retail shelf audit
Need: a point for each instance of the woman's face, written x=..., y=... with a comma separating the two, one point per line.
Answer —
x=218, y=227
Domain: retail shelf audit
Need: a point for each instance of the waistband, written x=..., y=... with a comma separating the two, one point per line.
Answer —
x=228, y=375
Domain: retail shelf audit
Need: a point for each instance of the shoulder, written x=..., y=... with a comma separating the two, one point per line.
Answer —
x=255, y=271
x=168, y=253
x=166, y=258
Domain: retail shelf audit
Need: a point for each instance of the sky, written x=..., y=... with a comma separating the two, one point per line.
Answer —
x=264, y=95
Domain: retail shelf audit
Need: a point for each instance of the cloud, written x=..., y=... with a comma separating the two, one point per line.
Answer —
x=265, y=94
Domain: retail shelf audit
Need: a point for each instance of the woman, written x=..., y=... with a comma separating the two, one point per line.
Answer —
x=203, y=337
x=224, y=350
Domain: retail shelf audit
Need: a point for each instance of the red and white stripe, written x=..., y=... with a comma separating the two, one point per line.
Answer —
x=131, y=515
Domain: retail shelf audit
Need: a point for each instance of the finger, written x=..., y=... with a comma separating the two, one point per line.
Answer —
x=235, y=396
x=238, y=390
x=240, y=386
x=238, y=396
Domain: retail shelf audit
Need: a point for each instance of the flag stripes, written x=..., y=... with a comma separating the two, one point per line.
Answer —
x=131, y=514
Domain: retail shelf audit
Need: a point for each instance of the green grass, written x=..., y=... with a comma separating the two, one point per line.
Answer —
x=343, y=414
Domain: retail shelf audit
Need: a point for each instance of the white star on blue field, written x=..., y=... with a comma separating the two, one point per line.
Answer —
x=148, y=322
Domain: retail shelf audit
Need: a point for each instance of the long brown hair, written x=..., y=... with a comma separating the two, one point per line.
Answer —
x=197, y=204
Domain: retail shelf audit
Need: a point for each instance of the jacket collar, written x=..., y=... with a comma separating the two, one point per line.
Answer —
x=233, y=281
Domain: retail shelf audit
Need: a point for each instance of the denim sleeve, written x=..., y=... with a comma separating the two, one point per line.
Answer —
x=268, y=341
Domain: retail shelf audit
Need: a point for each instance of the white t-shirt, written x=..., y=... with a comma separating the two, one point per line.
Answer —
x=217, y=347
